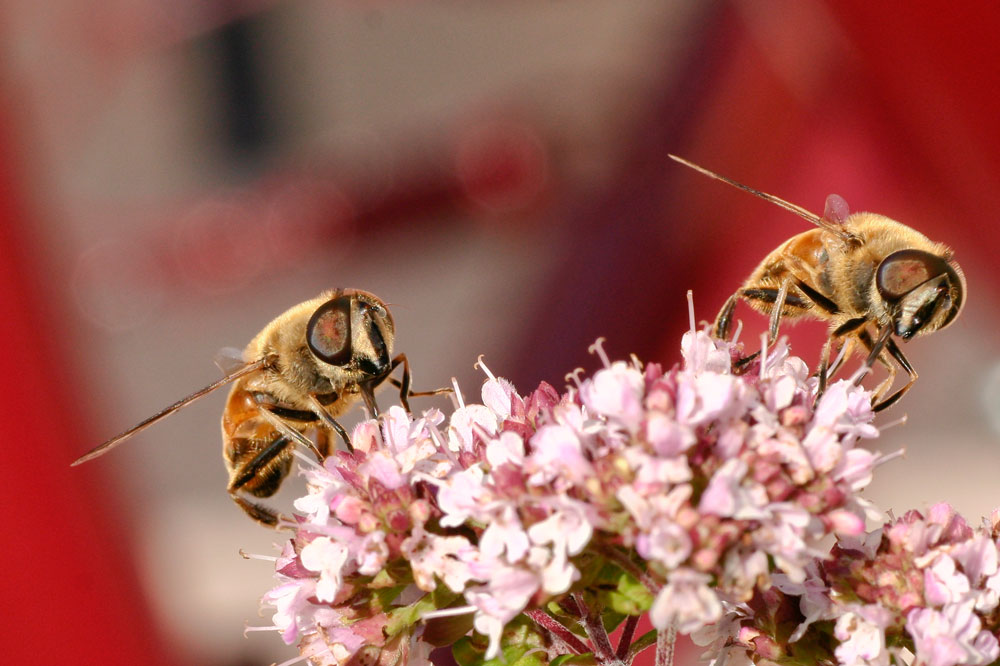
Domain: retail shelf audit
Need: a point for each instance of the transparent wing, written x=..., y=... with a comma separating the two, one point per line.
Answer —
x=229, y=359
x=243, y=370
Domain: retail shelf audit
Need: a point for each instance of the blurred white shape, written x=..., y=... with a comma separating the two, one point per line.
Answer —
x=116, y=285
x=990, y=397
x=363, y=155
x=303, y=215
x=217, y=246
x=198, y=584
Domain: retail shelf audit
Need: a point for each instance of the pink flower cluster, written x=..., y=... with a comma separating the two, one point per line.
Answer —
x=929, y=587
x=700, y=483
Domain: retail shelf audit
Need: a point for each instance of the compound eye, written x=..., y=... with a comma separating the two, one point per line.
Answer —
x=328, y=332
x=903, y=271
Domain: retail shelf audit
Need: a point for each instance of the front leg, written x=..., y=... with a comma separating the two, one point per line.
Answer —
x=897, y=354
x=883, y=349
x=405, y=393
x=329, y=422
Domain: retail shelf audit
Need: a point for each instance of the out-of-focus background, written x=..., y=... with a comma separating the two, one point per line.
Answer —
x=175, y=174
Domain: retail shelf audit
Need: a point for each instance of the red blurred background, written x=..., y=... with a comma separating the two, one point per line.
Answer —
x=173, y=176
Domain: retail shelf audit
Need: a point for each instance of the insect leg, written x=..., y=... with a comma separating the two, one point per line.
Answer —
x=804, y=298
x=770, y=295
x=368, y=395
x=329, y=422
x=260, y=476
x=817, y=298
x=259, y=512
x=890, y=349
x=420, y=394
x=842, y=355
x=821, y=372
x=779, y=304
x=779, y=298
x=897, y=354
x=739, y=365
x=824, y=372
x=405, y=392
x=323, y=442
x=876, y=348
x=289, y=432
x=724, y=320
x=883, y=349
x=404, y=384
x=886, y=383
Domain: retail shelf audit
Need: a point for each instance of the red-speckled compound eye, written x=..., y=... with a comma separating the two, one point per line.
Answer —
x=902, y=272
x=328, y=333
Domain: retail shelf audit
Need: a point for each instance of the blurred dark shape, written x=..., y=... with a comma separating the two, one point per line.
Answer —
x=245, y=105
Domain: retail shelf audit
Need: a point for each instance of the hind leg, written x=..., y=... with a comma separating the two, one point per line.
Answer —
x=771, y=300
x=261, y=476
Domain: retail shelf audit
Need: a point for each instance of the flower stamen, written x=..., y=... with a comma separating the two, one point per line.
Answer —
x=763, y=353
x=736, y=334
x=598, y=348
x=448, y=612
x=253, y=556
x=457, y=394
x=575, y=377
x=892, y=424
x=690, y=299
x=479, y=365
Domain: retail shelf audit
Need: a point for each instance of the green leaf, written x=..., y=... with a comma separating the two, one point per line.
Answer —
x=518, y=647
x=629, y=596
x=467, y=653
x=405, y=617
x=611, y=619
x=384, y=596
x=442, y=631
x=383, y=579
x=647, y=640
x=520, y=656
